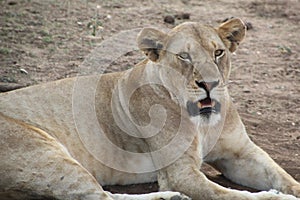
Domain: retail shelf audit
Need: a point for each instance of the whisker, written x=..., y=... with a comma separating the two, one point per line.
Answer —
x=228, y=83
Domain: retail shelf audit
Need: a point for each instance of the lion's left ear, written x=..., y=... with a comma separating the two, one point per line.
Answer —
x=151, y=41
x=232, y=32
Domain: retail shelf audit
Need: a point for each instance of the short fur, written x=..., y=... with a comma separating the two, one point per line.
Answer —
x=42, y=154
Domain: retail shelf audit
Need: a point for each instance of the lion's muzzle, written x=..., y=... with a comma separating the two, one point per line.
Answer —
x=204, y=107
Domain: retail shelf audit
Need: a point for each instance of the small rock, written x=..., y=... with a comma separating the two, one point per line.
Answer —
x=12, y=3
x=249, y=25
x=293, y=123
x=169, y=19
x=185, y=1
x=24, y=71
x=285, y=49
x=183, y=16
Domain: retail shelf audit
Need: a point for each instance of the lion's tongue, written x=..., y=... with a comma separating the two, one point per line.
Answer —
x=207, y=102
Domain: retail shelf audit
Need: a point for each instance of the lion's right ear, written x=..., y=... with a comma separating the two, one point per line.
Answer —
x=232, y=32
x=151, y=41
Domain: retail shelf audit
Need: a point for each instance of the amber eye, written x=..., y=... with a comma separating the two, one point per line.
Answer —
x=184, y=56
x=219, y=53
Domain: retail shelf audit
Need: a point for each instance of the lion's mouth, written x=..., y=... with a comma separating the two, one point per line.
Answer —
x=205, y=107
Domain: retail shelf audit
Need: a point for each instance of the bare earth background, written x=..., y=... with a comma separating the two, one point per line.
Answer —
x=45, y=40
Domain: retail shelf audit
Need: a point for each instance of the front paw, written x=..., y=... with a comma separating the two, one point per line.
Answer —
x=280, y=196
x=180, y=197
x=173, y=196
x=295, y=190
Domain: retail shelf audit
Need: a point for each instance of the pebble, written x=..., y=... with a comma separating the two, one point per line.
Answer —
x=183, y=16
x=249, y=25
x=24, y=71
x=12, y=3
x=169, y=19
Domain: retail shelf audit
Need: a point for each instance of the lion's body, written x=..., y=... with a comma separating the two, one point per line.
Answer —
x=57, y=120
x=50, y=146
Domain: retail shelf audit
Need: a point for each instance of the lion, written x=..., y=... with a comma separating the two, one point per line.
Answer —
x=160, y=120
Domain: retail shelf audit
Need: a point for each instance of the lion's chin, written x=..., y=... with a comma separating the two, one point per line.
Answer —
x=211, y=119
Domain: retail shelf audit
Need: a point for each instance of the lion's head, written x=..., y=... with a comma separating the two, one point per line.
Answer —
x=201, y=54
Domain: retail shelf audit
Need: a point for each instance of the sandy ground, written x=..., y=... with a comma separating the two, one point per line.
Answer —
x=45, y=40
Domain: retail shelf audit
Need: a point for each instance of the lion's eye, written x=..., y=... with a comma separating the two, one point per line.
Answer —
x=219, y=53
x=184, y=56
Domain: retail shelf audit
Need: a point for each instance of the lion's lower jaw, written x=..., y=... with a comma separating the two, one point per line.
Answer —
x=207, y=120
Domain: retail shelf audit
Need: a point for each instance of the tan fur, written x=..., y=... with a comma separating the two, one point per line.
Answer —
x=46, y=151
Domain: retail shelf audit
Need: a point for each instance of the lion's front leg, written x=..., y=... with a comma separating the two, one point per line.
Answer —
x=240, y=160
x=253, y=167
x=184, y=176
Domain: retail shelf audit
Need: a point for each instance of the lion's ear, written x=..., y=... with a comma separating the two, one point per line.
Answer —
x=232, y=32
x=150, y=41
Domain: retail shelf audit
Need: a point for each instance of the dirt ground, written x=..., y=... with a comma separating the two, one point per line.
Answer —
x=45, y=40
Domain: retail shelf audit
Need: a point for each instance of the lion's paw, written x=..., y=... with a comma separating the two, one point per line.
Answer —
x=150, y=196
x=274, y=194
x=296, y=190
x=180, y=197
x=172, y=196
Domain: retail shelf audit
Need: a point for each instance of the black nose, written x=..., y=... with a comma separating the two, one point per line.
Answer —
x=208, y=86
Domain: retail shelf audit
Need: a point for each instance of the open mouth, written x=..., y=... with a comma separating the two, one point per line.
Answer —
x=205, y=107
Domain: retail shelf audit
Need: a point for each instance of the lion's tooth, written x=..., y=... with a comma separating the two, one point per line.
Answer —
x=199, y=105
x=213, y=103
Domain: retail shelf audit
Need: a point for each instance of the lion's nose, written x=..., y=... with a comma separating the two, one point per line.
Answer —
x=208, y=86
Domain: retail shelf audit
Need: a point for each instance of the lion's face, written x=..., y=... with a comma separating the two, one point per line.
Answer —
x=201, y=56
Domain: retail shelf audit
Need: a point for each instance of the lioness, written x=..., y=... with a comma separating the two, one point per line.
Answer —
x=157, y=121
